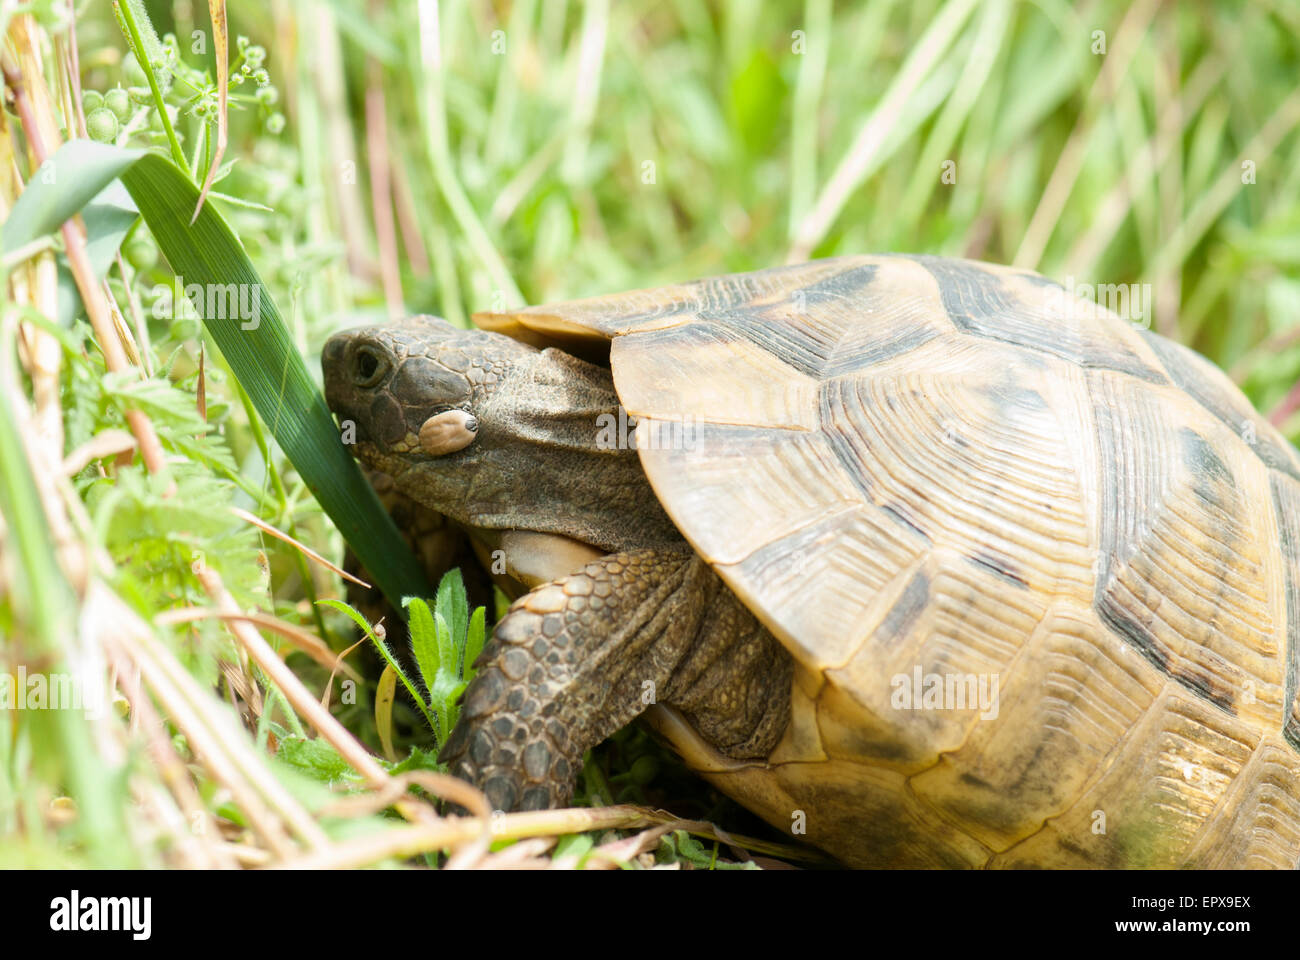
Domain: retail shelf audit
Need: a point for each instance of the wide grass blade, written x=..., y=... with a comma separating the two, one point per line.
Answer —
x=263, y=356
x=63, y=185
x=242, y=319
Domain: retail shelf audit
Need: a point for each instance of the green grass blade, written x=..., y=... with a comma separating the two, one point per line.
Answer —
x=65, y=183
x=261, y=352
x=255, y=342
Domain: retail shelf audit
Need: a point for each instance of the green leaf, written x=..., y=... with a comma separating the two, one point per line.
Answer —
x=316, y=758
x=574, y=845
x=441, y=641
x=500, y=603
x=447, y=685
x=262, y=354
x=474, y=643
x=424, y=640
x=240, y=202
x=77, y=174
x=158, y=398
x=681, y=846
x=356, y=617
x=107, y=217
x=417, y=760
x=384, y=652
x=446, y=648
x=453, y=603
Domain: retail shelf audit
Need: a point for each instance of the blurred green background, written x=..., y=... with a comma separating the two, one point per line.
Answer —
x=536, y=151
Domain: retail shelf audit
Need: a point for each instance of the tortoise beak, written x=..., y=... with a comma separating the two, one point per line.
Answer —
x=345, y=396
x=333, y=360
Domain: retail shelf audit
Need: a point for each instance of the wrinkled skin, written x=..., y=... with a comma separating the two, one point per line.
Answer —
x=624, y=613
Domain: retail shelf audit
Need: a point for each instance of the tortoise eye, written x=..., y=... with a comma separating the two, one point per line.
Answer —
x=368, y=367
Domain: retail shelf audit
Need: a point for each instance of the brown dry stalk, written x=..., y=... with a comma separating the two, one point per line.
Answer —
x=307, y=551
x=328, y=74
x=171, y=768
x=520, y=856
x=28, y=88
x=874, y=133
x=221, y=43
x=265, y=803
x=43, y=355
x=298, y=695
x=71, y=556
x=72, y=69
x=451, y=832
x=417, y=256
x=106, y=443
x=308, y=643
x=1109, y=215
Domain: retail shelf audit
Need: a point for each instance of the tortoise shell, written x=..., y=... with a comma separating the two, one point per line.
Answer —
x=938, y=480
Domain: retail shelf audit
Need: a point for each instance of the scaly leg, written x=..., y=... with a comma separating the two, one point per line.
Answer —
x=579, y=658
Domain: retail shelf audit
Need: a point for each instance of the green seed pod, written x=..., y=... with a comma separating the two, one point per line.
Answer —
x=141, y=253
x=261, y=77
x=91, y=100
x=275, y=123
x=102, y=125
x=140, y=95
x=183, y=328
x=134, y=72
x=119, y=101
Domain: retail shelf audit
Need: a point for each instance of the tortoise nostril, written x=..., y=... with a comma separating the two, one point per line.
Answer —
x=367, y=367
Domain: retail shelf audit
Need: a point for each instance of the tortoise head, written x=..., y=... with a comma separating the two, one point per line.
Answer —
x=399, y=389
x=493, y=433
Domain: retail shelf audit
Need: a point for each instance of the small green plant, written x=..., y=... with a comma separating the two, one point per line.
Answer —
x=445, y=640
x=680, y=846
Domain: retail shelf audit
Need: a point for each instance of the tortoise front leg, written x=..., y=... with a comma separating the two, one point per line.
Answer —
x=577, y=659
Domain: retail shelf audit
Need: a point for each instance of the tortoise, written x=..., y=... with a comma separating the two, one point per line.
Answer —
x=926, y=561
